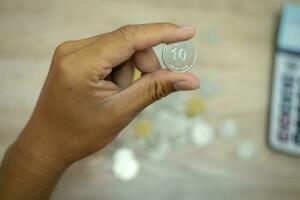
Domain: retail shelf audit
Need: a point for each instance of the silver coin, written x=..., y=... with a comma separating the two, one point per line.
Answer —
x=179, y=56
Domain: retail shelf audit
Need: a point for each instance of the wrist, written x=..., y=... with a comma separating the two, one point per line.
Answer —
x=36, y=153
x=31, y=166
x=28, y=172
x=33, y=159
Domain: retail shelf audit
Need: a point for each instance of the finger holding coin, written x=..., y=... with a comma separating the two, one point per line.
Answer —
x=146, y=61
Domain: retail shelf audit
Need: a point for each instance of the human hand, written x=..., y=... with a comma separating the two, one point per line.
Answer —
x=89, y=97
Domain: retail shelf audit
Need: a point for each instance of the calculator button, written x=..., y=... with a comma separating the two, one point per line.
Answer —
x=297, y=138
x=287, y=93
x=285, y=109
x=284, y=121
x=291, y=65
x=287, y=98
x=288, y=79
x=283, y=136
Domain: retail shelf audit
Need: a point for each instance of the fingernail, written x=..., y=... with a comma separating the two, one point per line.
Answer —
x=185, y=85
x=188, y=28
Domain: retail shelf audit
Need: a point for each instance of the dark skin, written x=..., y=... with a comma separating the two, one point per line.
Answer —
x=87, y=99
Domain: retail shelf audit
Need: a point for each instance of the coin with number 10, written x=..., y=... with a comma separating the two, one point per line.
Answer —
x=179, y=56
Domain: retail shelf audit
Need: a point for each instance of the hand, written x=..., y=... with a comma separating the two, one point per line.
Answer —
x=89, y=97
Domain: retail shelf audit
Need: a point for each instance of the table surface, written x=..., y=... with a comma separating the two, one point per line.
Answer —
x=235, y=44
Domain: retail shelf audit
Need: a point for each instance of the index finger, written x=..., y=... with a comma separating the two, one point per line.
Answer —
x=118, y=46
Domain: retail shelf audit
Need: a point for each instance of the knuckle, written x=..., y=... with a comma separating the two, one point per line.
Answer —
x=126, y=32
x=62, y=62
x=62, y=70
x=61, y=48
x=157, y=90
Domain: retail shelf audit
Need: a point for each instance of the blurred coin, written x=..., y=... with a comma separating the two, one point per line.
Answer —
x=228, y=128
x=195, y=106
x=125, y=165
x=143, y=128
x=202, y=133
x=179, y=56
x=246, y=150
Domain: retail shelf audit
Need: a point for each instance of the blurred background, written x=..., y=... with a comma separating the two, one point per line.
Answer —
x=207, y=144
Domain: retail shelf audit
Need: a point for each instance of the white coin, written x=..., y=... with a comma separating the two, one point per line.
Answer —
x=202, y=133
x=179, y=56
x=246, y=150
x=126, y=170
x=125, y=165
x=228, y=128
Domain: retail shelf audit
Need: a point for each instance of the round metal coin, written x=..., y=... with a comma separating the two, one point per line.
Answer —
x=179, y=56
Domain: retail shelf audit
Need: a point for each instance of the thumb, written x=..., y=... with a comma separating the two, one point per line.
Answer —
x=152, y=87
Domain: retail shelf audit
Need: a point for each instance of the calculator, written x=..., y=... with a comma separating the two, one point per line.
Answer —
x=284, y=126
